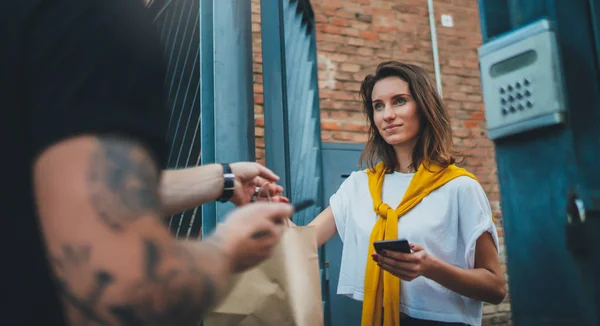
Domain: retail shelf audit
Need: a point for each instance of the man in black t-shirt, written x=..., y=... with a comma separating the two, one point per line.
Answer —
x=82, y=83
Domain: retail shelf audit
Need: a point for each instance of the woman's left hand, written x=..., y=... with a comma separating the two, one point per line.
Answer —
x=405, y=266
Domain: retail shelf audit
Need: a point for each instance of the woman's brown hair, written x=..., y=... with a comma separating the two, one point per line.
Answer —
x=434, y=141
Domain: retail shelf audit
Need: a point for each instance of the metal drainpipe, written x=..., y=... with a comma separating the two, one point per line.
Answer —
x=434, y=45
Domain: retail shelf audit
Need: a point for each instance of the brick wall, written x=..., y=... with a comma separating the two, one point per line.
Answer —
x=353, y=36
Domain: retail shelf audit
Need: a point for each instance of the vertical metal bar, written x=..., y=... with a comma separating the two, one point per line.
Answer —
x=275, y=91
x=234, y=95
x=316, y=113
x=434, y=46
x=207, y=93
x=227, y=92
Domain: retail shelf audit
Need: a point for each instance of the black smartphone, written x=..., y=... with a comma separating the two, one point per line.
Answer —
x=297, y=207
x=399, y=245
x=303, y=205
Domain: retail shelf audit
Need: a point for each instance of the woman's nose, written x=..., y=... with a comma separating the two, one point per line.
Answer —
x=388, y=113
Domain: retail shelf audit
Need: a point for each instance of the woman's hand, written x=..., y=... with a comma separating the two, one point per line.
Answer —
x=406, y=266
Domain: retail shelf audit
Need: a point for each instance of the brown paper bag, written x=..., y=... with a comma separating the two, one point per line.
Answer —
x=285, y=290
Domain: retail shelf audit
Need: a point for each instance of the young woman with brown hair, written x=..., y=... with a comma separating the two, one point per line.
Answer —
x=412, y=190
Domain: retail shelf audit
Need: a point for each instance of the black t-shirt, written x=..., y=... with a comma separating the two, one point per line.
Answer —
x=67, y=67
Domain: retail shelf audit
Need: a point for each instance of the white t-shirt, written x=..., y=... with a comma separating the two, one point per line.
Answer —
x=446, y=223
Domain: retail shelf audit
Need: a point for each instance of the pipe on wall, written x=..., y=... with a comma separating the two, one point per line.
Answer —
x=434, y=45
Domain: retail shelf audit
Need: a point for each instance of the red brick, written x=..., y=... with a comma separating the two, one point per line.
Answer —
x=331, y=3
x=355, y=41
x=350, y=67
x=368, y=35
x=320, y=18
x=329, y=29
x=478, y=116
x=352, y=126
x=350, y=31
x=343, y=136
x=471, y=123
x=340, y=22
x=365, y=51
x=259, y=121
x=330, y=125
x=259, y=131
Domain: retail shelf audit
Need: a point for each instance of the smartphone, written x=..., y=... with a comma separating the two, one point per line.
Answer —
x=302, y=205
x=399, y=245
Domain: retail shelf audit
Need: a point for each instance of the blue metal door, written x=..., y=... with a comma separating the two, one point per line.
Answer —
x=339, y=161
x=548, y=176
x=291, y=109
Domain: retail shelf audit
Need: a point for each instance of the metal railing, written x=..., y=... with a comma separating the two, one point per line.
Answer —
x=178, y=23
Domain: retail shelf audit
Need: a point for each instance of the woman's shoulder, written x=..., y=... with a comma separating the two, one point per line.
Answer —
x=355, y=180
x=464, y=184
x=356, y=177
x=465, y=181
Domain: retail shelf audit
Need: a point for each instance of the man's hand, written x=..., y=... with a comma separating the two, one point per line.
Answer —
x=248, y=176
x=238, y=233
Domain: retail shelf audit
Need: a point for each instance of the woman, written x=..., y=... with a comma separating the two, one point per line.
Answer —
x=441, y=210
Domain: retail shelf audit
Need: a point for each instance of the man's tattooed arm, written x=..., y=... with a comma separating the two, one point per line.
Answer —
x=114, y=262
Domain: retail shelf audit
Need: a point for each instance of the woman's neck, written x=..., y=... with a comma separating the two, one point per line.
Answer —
x=404, y=159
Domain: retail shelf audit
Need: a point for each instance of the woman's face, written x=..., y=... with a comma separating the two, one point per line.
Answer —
x=395, y=111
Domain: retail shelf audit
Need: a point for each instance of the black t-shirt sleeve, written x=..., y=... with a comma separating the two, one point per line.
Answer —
x=95, y=67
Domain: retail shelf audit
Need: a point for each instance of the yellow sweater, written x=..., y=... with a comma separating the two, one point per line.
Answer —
x=383, y=289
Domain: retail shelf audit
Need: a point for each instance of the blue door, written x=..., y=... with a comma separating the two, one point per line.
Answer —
x=339, y=161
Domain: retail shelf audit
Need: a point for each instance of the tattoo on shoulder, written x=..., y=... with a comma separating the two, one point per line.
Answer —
x=123, y=180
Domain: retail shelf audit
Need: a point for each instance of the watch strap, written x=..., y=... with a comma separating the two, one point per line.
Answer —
x=228, y=183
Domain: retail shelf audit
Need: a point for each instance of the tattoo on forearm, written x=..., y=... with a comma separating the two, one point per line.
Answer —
x=123, y=181
x=164, y=295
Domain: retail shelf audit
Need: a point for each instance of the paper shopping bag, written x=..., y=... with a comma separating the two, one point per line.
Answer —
x=285, y=290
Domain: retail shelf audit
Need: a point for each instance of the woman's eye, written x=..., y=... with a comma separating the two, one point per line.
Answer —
x=378, y=106
x=400, y=101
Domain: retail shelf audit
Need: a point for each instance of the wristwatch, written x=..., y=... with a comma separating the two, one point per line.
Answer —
x=228, y=184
